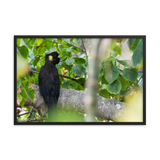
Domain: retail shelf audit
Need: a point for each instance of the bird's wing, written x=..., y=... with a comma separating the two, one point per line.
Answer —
x=49, y=86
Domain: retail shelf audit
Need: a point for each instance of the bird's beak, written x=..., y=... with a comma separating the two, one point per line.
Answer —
x=59, y=56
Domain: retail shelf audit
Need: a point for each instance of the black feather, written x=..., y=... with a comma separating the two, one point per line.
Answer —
x=49, y=84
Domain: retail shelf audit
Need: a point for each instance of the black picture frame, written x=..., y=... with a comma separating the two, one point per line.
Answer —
x=81, y=36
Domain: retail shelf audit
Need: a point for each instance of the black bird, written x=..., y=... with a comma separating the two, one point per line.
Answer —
x=49, y=84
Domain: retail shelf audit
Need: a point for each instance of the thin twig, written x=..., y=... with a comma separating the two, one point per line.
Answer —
x=33, y=120
x=30, y=113
x=22, y=114
x=59, y=76
x=70, y=78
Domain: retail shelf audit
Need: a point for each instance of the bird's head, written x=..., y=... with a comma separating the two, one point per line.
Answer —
x=53, y=58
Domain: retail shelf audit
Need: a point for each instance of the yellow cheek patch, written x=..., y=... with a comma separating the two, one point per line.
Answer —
x=50, y=58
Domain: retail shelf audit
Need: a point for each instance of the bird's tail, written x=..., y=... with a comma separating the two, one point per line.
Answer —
x=52, y=113
x=52, y=108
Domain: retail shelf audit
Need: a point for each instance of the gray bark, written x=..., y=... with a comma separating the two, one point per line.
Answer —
x=71, y=99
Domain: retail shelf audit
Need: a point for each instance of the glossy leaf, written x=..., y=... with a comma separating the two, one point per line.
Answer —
x=78, y=69
x=104, y=93
x=48, y=43
x=124, y=83
x=65, y=84
x=114, y=87
x=123, y=62
x=28, y=90
x=19, y=97
x=36, y=60
x=41, y=50
x=111, y=72
x=24, y=96
x=29, y=42
x=18, y=41
x=24, y=51
x=70, y=61
x=79, y=60
x=138, y=54
x=66, y=40
x=18, y=83
x=130, y=74
x=132, y=43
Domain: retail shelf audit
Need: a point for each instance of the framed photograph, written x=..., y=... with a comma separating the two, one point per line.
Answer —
x=93, y=80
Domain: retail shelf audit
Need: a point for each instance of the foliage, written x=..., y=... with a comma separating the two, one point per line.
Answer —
x=112, y=82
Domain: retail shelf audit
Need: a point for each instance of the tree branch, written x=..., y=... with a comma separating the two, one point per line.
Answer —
x=75, y=100
x=19, y=115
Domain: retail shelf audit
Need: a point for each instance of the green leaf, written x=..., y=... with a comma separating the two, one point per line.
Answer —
x=18, y=83
x=111, y=72
x=80, y=87
x=76, y=40
x=71, y=40
x=23, y=51
x=79, y=60
x=69, y=50
x=118, y=49
x=24, y=96
x=58, y=65
x=124, y=83
x=31, y=93
x=52, y=49
x=104, y=93
x=35, y=61
x=65, y=84
x=70, y=61
x=18, y=41
x=75, y=50
x=78, y=69
x=132, y=43
x=73, y=84
x=138, y=54
x=64, y=46
x=123, y=62
x=25, y=84
x=130, y=74
x=29, y=42
x=122, y=93
x=66, y=40
x=104, y=86
x=35, y=78
x=41, y=50
x=19, y=97
x=113, y=60
x=31, y=80
x=48, y=43
x=104, y=80
x=63, y=58
x=114, y=87
x=79, y=39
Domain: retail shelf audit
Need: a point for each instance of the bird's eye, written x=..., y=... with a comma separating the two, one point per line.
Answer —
x=50, y=58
